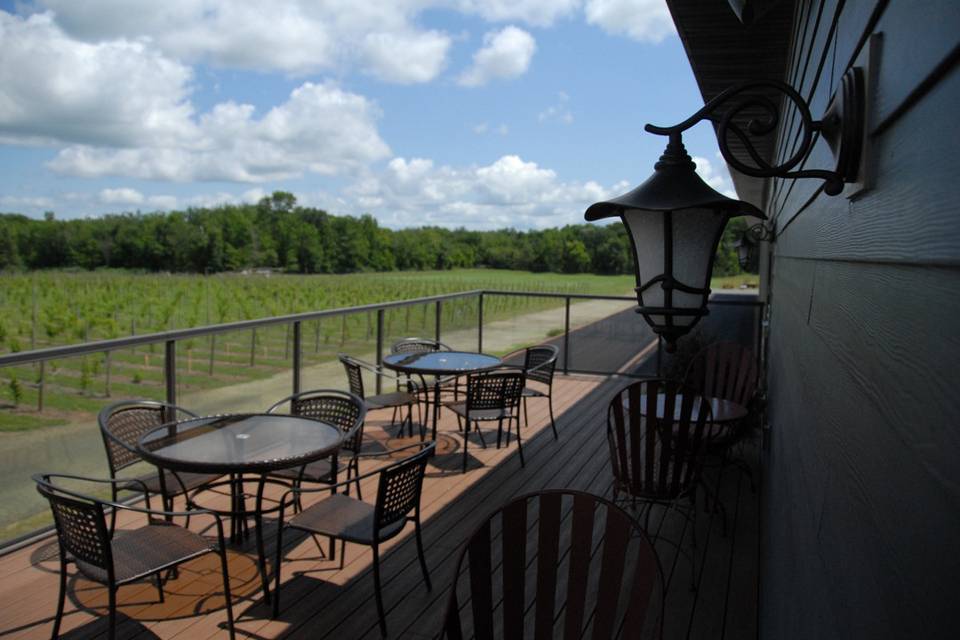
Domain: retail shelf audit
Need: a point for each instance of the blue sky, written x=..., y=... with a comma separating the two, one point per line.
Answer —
x=475, y=113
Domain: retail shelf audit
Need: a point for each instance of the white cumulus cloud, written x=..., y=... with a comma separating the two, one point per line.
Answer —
x=122, y=195
x=642, y=20
x=539, y=13
x=507, y=192
x=57, y=89
x=320, y=129
x=505, y=54
x=298, y=37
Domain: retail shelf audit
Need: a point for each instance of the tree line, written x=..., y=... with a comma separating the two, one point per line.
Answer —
x=278, y=233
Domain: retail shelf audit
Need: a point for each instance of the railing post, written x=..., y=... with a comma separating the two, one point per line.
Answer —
x=379, y=348
x=297, y=355
x=480, y=324
x=170, y=373
x=437, y=322
x=566, y=338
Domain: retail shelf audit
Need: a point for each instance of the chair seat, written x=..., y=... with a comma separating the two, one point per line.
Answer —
x=189, y=480
x=460, y=408
x=144, y=551
x=316, y=471
x=532, y=393
x=342, y=517
x=388, y=400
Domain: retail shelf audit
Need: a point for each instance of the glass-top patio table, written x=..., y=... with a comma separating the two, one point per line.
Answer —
x=441, y=364
x=235, y=445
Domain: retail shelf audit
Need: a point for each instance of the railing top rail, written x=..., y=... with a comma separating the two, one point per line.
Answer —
x=99, y=346
x=597, y=296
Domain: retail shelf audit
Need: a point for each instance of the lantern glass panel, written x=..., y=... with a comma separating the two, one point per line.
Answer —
x=695, y=236
x=646, y=227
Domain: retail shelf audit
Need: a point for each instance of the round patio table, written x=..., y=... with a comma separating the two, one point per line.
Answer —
x=235, y=445
x=721, y=411
x=441, y=363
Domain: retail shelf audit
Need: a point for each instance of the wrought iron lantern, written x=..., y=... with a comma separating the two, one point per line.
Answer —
x=748, y=242
x=675, y=220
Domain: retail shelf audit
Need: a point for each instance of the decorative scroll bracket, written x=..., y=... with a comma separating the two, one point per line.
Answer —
x=842, y=127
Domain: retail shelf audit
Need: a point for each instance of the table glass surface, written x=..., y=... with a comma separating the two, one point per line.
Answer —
x=441, y=362
x=239, y=442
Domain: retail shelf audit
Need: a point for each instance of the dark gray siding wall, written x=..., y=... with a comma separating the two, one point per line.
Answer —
x=862, y=477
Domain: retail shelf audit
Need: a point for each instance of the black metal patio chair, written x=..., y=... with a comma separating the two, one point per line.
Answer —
x=341, y=409
x=350, y=520
x=122, y=424
x=115, y=558
x=426, y=345
x=726, y=370
x=556, y=564
x=656, y=432
x=539, y=365
x=395, y=400
x=491, y=396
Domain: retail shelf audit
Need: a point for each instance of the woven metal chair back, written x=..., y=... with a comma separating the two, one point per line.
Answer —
x=418, y=345
x=343, y=410
x=725, y=370
x=354, y=374
x=556, y=564
x=494, y=391
x=80, y=524
x=123, y=424
x=540, y=363
x=400, y=486
x=656, y=452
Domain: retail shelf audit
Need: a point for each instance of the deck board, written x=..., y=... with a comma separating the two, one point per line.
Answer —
x=321, y=600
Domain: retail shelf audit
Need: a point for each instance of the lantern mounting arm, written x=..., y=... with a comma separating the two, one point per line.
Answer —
x=841, y=126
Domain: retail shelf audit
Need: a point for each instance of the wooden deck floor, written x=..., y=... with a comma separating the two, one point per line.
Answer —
x=322, y=600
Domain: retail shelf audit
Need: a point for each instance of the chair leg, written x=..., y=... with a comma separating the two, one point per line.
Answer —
x=553, y=423
x=519, y=445
x=355, y=465
x=476, y=427
x=466, y=439
x=63, y=595
x=112, y=589
x=500, y=433
x=377, y=592
x=526, y=413
x=423, y=560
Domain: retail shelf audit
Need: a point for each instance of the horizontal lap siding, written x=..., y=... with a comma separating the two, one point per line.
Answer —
x=862, y=501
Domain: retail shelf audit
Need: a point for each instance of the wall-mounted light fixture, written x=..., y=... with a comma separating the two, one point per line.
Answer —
x=748, y=243
x=675, y=219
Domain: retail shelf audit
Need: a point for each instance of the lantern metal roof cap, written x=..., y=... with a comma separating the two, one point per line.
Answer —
x=673, y=186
